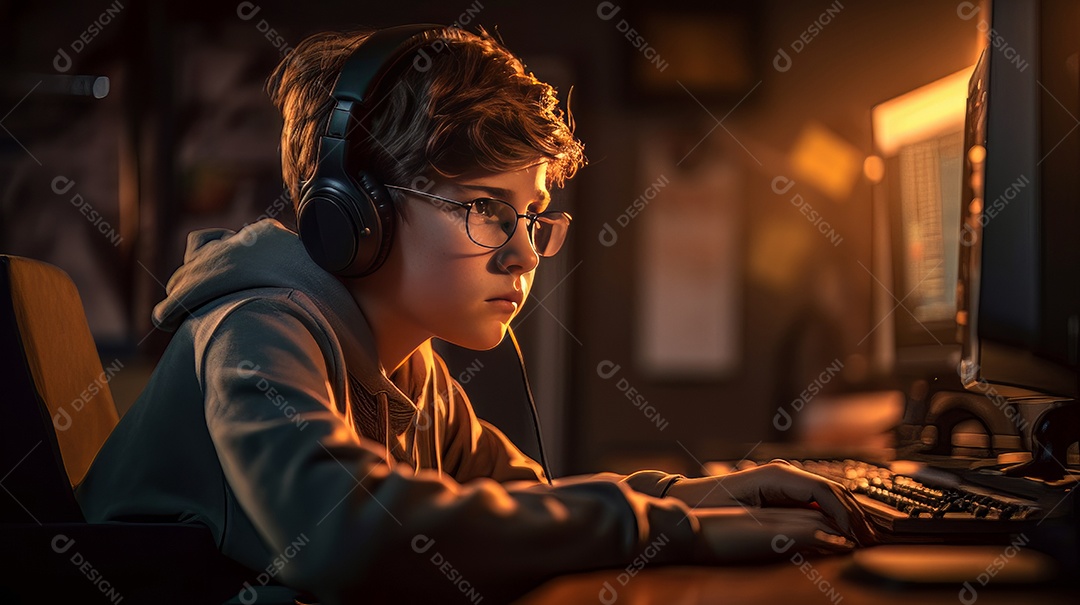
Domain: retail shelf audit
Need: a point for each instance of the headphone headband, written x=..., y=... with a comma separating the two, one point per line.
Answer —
x=376, y=57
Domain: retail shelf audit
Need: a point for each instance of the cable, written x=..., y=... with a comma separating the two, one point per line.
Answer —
x=532, y=404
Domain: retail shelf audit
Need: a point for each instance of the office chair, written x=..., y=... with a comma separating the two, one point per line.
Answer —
x=57, y=411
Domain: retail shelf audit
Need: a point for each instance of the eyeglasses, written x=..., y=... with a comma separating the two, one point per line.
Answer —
x=491, y=223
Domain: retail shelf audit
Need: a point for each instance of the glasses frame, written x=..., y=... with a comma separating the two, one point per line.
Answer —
x=532, y=217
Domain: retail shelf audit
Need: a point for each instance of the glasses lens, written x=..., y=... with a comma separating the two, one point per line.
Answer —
x=491, y=222
x=549, y=232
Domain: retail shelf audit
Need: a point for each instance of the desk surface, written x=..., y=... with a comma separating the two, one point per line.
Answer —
x=828, y=580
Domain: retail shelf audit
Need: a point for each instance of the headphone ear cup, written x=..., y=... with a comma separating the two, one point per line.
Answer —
x=346, y=227
x=327, y=227
x=376, y=210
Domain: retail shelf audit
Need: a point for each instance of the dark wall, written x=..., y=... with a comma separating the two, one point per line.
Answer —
x=187, y=140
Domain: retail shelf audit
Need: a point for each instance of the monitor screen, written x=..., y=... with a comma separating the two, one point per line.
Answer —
x=929, y=224
x=920, y=137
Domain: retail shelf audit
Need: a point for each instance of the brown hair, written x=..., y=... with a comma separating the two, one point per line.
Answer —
x=474, y=108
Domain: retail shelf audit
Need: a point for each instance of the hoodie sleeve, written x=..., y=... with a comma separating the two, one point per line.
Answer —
x=475, y=448
x=375, y=534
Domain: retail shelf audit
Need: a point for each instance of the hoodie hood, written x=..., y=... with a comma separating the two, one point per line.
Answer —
x=219, y=262
x=222, y=262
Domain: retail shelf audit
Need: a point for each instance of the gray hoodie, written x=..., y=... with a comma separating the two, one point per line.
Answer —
x=269, y=420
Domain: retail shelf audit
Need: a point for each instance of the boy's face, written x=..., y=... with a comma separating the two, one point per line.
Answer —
x=437, y=282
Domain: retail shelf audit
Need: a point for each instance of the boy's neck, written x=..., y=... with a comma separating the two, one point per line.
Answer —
x=393, y=342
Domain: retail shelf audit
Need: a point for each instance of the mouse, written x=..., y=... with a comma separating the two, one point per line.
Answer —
x=940, y=563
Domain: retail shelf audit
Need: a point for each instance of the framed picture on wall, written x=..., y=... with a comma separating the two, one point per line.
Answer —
x=689, y=281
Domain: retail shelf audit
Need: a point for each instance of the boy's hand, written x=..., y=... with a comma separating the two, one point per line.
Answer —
x=736, y=535
x=779, y=484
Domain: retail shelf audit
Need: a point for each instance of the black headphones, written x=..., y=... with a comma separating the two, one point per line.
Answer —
x=346, y=221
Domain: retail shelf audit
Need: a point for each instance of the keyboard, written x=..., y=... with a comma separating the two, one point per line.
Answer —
x=927, y=510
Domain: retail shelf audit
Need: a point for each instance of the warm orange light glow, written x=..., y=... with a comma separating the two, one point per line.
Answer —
x=826, y=161
x=874, y=168
x=977, y=154
x=780, y=253
x=923, y=113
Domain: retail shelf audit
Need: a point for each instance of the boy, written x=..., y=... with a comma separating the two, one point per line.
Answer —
x=300, y=412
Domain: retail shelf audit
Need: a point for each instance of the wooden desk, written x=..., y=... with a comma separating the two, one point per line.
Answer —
x=824, y=581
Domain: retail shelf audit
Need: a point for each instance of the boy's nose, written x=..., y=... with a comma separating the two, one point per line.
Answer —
x=518, y=254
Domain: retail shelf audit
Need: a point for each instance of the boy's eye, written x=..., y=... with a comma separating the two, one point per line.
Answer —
x=485, y=208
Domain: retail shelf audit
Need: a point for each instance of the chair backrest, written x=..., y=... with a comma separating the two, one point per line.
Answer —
x=56, y=411
x=57, y=406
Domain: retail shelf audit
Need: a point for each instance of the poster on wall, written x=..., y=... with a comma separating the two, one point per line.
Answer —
x=689, y=265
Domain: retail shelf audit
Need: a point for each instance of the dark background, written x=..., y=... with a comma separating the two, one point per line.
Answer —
x=186, y=139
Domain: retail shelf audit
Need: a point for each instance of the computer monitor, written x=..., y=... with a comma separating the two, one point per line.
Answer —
x=1018, y=288
x=1019, y=272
